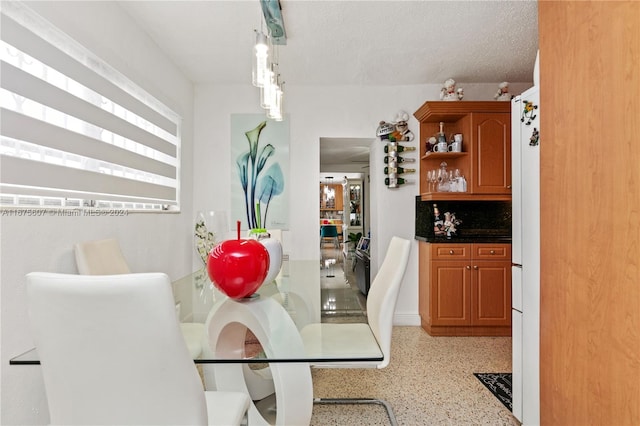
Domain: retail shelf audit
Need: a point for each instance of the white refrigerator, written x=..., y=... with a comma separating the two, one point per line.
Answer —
x=525, y=151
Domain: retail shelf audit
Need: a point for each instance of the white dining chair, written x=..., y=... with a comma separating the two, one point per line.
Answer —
x=330, y=339
x=100, y=257
x=112, y=353
x=104, y=257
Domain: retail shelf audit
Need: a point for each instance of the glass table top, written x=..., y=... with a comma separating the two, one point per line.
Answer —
x=284, y=319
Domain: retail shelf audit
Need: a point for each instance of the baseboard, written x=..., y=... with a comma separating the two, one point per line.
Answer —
x=441, y=330
x=406, y=319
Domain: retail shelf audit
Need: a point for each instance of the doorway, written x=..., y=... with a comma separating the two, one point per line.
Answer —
x=344, y=162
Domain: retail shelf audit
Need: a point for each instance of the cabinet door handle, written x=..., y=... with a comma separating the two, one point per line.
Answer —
x=475, y=266
x=492, y=252
x=468, y=267
x=508, y=186
x=450, y=251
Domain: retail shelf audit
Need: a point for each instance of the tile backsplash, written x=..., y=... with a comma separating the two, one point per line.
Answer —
x=478, y=218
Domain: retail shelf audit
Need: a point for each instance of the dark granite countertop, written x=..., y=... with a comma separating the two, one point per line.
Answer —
x=467, y=239
x=478, y=221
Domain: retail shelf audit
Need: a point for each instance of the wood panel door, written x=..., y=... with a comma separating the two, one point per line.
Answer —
x=491, y=153
x=424, y=293
x=589, y=273
x=491, y=293
x=450, y=293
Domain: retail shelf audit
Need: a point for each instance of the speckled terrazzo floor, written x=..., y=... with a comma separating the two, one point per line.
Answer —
x=429, y=381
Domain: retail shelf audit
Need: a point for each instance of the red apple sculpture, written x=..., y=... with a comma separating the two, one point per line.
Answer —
x=238, y=267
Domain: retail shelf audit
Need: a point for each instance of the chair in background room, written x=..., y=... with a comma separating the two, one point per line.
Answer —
x=112, y=352
x=104, y=257
x=329, y=338
x=329, y=232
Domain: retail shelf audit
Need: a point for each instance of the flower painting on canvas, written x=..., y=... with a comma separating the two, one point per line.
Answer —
x=259, y=171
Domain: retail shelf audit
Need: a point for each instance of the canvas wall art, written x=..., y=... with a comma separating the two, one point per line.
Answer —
x=260, y=171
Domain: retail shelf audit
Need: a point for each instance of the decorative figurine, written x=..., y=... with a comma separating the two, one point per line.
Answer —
x=384, y=130
x=503, y=92
x=535, y=138
x=449, y=91
x=528, y=112
x=238, y=267
x=402, y=132
x=450, y=223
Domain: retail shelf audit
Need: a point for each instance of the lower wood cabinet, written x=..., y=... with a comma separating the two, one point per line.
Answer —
x=465, y=289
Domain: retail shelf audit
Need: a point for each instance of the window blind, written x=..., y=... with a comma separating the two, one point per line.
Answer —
x=73, y=130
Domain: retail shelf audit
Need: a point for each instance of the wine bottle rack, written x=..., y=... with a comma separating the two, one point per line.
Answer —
x=397, y=164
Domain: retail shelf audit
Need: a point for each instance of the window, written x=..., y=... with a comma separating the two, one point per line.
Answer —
x=74, y=132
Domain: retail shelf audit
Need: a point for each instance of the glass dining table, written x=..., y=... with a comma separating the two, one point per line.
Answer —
x=265, y=344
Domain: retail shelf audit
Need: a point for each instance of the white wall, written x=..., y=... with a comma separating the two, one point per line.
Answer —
x=314, y=113
x=151, y=242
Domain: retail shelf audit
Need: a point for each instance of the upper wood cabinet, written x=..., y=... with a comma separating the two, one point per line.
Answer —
x=491, y=153
x=485, y=160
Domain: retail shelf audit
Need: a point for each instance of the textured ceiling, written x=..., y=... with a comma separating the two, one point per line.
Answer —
x=350, y=42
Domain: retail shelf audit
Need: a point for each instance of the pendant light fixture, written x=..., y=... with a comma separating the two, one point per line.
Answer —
x=265, y=68
x=274, y=96
x=267, y=86
x=271, y=92
x=275, y=111
x=261, y=60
